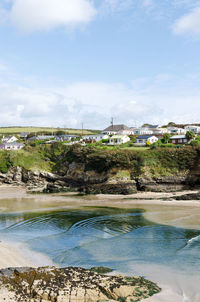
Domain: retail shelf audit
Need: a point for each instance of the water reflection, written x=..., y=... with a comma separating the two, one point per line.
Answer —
x=103, y=236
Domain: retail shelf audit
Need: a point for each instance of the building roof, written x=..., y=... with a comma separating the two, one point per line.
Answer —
x=8, y=137
x=153, y=126
x=66, y=135
x=93, y=135
x=144, y=136
x=117, y=128
x=40, y=137
x=178, y=137
x=24, y=134
x=119, y=136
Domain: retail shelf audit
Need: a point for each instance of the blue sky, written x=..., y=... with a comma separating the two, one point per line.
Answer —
x=65, y=62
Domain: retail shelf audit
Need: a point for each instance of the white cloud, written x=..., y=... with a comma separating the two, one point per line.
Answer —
x=160, y=100
x=188, y=24
x=38, y=15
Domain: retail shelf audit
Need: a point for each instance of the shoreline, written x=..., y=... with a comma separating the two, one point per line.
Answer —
x=13, y=254
x=16, y=199
x=10, y=256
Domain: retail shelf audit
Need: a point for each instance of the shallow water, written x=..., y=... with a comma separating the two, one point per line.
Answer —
x=122, y=239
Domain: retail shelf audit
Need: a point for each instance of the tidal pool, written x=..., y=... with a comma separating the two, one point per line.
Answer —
x=122, y=239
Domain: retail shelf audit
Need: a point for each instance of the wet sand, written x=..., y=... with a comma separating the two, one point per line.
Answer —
x=11, y=257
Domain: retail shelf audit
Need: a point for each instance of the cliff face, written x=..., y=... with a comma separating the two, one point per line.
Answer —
x=73, y=177
x=94, y=170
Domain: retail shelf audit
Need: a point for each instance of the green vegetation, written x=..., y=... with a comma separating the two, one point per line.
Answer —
x=30, y=160
x=190, y=135
x=131, y=162
x=40, y=130
x=101, y=270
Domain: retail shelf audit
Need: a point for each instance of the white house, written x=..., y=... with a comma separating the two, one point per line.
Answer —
x=41, y=137
x=118, y=139
x=12, y=146
x=193, y=128
x=143, y=139
x=175, y=130
x=126, y=132
x=159, y=130
x=142, y=131
x=64, y=138
x=178, y=139
x=9, y=139
x=95, y=137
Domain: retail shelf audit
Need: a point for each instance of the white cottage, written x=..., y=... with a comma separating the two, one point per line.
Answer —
x=142, y=131
x=179, y=139
x=193, y=128
x=9, y=139
x=11, y=146
x=175, y=130
x=118, y=139
x=95, y=137
x=143, y=139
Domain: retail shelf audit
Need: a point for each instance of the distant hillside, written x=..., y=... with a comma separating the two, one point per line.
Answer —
x=18, y=129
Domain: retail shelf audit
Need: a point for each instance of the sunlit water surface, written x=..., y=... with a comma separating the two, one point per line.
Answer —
x=117, y=238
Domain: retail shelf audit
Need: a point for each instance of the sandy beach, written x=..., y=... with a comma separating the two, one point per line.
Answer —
x=16, y=199
x=11, y=257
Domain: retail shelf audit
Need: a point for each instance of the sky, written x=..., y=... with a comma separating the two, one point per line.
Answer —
x=68, y=62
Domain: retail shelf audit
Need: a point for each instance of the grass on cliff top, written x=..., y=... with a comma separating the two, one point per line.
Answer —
x=29, y=160
x=18, y=130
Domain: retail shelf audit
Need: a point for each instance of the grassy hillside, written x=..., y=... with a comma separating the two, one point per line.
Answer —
x=17, y=130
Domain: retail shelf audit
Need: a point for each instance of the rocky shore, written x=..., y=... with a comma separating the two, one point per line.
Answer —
x=75, y=178
x=71, y=284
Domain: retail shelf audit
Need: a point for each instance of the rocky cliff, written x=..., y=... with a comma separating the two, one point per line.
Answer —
x=74, y=177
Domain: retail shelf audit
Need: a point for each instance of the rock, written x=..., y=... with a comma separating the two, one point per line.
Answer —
x=166, y=183
x=192, y=196
x=50, y=176
x=17, y=174
x=75, y=177
x=71, y=284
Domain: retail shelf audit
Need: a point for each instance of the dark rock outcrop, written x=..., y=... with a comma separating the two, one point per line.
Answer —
x=71, y=284
x=168, y=183
x=76, y=178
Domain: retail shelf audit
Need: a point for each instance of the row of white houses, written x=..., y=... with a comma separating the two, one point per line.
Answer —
x=154, y=129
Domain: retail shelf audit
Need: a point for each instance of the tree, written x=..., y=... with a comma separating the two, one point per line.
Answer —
x=190, y=135
x=171, y=124
x=146, y=125
x=60, y=132
x=166, y=138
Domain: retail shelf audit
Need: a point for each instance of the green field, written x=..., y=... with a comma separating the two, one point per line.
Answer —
x=17, y=130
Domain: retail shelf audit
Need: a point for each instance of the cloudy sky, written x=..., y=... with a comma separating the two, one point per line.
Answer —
x=64, y=62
